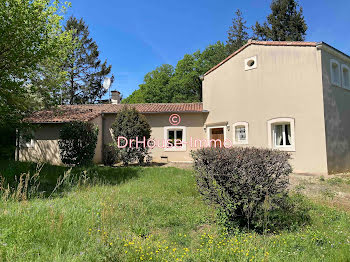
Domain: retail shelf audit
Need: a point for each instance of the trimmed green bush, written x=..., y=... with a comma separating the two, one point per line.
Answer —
x=110, y=155
x=77, y=143
x=244, y=183
x=130, y=124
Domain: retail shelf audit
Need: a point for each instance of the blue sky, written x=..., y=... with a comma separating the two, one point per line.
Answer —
x=137, y=36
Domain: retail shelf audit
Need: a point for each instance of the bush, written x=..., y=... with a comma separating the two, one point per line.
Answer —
x=130, y=124
x=243, y=183
x=77, y=143
x=110, y=155
x=292, y=213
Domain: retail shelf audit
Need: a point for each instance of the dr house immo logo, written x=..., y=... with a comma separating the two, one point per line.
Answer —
x=174, y=120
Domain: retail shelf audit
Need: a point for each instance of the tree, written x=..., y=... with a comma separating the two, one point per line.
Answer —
x=49, y=83
x=77, y=143
x=166, y=85
x=137, y=97
x=154, y=88
x=86, y=72
x=237, y=33
x=30, y=35
x=130, y=124
x=285, y=23
x=185, y=86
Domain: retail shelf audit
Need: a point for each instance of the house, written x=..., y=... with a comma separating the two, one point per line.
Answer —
x=290, y=96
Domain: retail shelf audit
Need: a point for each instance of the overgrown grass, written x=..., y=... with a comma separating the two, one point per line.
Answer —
x=49, y=175
x=149, y=214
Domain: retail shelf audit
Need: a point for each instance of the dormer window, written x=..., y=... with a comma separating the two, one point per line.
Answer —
x=250, y=63
x=335, y=73
x=345, y=76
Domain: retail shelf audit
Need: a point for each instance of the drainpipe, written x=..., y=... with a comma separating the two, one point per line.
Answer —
x=103, y=134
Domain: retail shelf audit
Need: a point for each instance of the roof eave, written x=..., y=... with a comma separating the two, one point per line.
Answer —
x=332, y=50
x=162, y=112
x=255, y=42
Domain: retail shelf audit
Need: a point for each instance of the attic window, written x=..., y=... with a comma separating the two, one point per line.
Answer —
x=346, y=76
x=250, y=63
x=335, y=73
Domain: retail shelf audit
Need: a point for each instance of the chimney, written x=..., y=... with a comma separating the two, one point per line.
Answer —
x=115, y=97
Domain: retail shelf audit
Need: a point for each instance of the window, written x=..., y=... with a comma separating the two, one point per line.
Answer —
x=335, y=73
x=175, y=138
x=27, y=142
x=240, y=135
x=250, y=63
x=346, y=76
x=281, y=134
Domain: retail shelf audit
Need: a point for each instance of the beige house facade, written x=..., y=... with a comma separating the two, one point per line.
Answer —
x=290, y=96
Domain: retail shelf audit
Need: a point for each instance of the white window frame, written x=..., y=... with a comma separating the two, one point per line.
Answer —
x=246, y=126
x=247, y=67
x=333, y=82
x=270, y=131
x=184, y=141
x=342, y=76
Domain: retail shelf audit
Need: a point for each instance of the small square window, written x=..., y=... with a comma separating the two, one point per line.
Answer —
x=175, y=138
x=240, y=133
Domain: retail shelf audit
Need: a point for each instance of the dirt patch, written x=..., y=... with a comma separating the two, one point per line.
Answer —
x=181, y=165
x=332, y=190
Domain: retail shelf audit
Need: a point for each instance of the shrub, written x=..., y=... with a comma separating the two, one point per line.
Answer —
x=110, y=155
x=243, y=182
x=292, y=213
x=77, y=143
x=130, y=124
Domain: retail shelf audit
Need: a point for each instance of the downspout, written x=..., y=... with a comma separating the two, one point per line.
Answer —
x=103, y=134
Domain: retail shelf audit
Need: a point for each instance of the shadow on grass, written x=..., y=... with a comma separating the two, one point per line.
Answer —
x=50, y=175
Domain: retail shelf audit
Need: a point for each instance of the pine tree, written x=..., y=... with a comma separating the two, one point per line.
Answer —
x=86, y=72
x=285, y=23
x=237, y=33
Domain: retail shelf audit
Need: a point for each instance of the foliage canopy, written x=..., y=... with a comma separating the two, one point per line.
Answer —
x=77, y=143
x=130, y=124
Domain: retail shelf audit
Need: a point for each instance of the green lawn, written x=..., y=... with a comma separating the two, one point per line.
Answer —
x=147, y=214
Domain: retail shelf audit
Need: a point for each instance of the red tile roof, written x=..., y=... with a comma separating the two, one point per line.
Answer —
x=67, y=113
x=269, y=43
